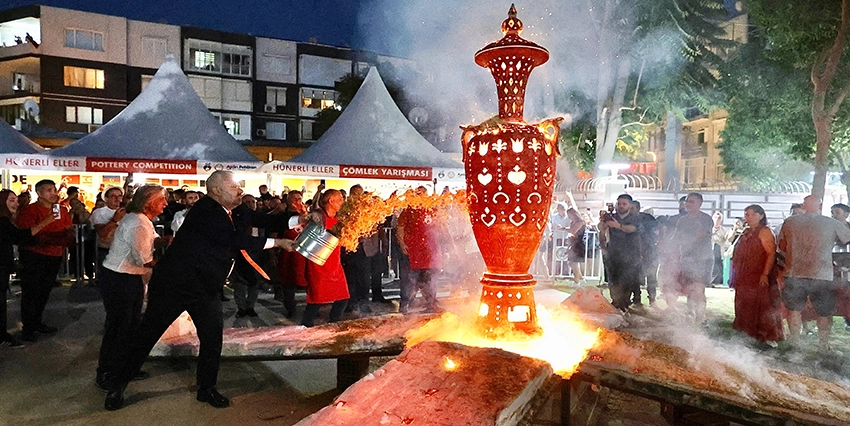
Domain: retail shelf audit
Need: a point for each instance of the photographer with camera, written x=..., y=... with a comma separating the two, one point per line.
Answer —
x=623, y=261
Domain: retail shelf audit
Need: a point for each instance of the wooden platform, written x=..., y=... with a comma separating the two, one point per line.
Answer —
x=373, y=336
x=485, y=387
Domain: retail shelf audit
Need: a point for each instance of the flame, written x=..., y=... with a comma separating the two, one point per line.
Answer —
x=564, y=343
x=450, y=365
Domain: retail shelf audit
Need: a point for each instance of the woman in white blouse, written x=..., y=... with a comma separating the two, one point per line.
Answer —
x=130, y=258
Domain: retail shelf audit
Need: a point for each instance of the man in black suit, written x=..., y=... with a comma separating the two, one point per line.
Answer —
x=189, y=277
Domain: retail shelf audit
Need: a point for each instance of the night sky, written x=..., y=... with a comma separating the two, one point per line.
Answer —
x=331, y=22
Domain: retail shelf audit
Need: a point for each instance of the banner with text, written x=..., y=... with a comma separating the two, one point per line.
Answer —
x=42, y=162
x=385, y=172
x=141, y=165
x=301, y=169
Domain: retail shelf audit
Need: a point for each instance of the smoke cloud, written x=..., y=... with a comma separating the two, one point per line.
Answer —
x=442, y=36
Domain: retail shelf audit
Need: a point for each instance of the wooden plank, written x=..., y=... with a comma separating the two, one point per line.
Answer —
x=381, y=335
x=487, y=387
x=665, y=373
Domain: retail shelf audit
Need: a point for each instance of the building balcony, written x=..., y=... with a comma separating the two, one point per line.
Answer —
x=15, y=50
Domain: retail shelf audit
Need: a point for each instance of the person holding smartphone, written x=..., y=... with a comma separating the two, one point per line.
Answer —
x=42, y=259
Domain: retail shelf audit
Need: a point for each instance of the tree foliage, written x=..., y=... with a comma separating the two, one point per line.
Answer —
x=769, y=123
x=656, y=56
x=811, y=37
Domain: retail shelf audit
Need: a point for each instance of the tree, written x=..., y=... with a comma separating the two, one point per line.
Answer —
x=631, y=63
x=769, y=124
x=811, y=36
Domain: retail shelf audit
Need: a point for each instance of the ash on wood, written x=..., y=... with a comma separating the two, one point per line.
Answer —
x=479, y=386
x=669, y=374
x=382, y=335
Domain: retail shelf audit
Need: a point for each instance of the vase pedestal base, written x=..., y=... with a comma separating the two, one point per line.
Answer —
x=507, y=309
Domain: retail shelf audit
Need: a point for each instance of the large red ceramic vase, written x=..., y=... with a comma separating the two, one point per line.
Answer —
x=510, y=173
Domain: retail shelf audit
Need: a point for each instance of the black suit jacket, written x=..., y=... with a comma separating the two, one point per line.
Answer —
x=200, y=257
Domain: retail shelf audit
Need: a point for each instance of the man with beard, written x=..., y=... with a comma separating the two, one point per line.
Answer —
x=189, y=278
x=624, y=260
x=189, y=200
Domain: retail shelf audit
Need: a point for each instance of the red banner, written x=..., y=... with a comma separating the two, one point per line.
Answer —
x=385, y=172
x=141, y=165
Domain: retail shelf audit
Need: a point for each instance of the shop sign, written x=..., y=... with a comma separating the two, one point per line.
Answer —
x=385, y=172
x=141, y=165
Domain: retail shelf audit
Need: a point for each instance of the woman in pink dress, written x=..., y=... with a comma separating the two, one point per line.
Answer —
x=754, y=279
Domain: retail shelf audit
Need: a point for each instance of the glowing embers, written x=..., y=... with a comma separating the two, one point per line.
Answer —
x=449, y=365
x=508, y=309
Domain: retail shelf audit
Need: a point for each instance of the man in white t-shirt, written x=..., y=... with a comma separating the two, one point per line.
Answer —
x=105, y=220
x=190, y=199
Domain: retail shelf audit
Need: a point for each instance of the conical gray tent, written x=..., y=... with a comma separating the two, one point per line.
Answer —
x=13, y=142
x=372, y=131
x=166, y=121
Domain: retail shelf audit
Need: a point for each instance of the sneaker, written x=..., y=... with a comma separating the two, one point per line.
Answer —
x=11, y=342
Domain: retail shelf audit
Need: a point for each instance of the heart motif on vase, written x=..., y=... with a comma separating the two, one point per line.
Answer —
x=516, y=176
x=485, y=179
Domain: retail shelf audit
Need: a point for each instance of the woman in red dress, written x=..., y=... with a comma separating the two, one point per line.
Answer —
x=326, y=283
x=756, y=291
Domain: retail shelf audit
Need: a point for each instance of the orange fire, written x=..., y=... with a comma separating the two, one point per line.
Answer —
x=564, y=342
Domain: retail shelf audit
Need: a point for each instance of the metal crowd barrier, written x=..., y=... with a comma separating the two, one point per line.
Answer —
x=552, y=261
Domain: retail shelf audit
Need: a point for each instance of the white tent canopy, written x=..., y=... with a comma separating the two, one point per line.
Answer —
x=373, y=131
x=13, y=142
x=166, y=121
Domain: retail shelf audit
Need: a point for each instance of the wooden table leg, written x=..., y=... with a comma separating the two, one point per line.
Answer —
x=350, y=369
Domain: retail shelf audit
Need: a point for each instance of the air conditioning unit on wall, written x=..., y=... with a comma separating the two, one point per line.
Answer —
x=261, y=132
x=271, y=108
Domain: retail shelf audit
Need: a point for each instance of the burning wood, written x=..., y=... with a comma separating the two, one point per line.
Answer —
x=373, y=335
x=439, y=383
x=656, y=367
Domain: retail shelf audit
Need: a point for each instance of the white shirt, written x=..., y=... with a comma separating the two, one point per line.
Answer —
x=132, y=246
x=102, y=215
x=177, y=222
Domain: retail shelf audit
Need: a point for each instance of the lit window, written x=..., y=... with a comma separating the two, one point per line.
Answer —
x=83, y=115
x=231, y=124
x=84, y=77
x=219, y=58
x=84, y=39
x=318, y=99
x=204, y=60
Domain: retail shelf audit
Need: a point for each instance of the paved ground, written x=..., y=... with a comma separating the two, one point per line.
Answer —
x=51, y=381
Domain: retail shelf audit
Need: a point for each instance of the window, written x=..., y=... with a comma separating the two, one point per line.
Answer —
x=318, y=99
x=83, y=115
x=84, y=39
x=276, y=131
x=231, y=124
x=146, y=79
x=275, y=96
x=218, y=58
x=306, y=130
x=154, y=48
x=84, y=77
x=207, y=61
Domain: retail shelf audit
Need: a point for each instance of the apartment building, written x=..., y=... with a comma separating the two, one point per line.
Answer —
x=73, y=71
